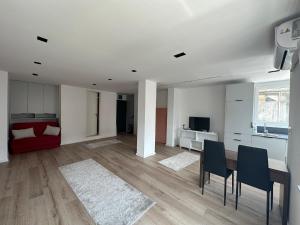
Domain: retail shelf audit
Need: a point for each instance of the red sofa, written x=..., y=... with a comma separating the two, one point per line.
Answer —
x=34, y=143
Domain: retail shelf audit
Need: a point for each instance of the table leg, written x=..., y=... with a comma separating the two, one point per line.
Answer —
x=284, y=202
x=201, y=174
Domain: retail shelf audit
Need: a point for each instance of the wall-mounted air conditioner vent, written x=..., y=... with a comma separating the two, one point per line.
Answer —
x=122, y=97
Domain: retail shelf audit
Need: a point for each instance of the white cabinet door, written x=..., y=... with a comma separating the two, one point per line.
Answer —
x=243, y=91
x=238, y=117
x=232, y=142
x=35, y=98
x=277, y=148
x=50, y=99
x=18, y=97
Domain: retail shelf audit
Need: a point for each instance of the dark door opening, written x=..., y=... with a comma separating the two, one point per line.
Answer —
x=121, y=116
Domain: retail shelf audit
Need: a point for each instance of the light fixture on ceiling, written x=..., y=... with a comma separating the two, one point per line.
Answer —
x=94, y=84
x=273, y=71
x=134, y=71
x=37, y=62
x=42, y=39
x=109, y=79
x=35, y=74
x=179, y=55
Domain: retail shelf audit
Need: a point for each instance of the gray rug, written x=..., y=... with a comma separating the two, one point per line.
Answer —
x=108, y=199
x=180, y=161
x=99, y=144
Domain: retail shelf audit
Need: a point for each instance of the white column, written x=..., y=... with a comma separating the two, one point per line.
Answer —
x=293, y=161
x=146, y=118
x=173, y=123
x=3, y=116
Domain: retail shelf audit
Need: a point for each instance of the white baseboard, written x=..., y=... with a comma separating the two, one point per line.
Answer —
x=145, y=156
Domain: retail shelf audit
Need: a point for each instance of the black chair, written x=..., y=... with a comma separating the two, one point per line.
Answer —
x=215, y=162
x=253, y=170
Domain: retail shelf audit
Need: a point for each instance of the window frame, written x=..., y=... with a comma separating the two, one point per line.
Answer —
x=263, y=87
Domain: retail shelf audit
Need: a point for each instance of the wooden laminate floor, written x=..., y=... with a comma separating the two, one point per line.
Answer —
x=33, y=192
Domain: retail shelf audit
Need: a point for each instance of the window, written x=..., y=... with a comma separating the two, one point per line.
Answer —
x=272, y=104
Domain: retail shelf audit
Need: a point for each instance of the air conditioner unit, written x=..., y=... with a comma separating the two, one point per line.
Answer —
x=122, y=97
x=287, y=44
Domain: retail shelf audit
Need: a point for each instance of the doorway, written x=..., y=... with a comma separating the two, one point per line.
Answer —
x=121, y=116
x=93, y=113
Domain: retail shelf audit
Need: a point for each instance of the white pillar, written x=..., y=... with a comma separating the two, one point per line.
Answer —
x=3, y=116
x=146, y=118
x=293, y=161
x=173, y=121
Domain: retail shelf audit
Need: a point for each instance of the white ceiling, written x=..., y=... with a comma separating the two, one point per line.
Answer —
x=92, y=40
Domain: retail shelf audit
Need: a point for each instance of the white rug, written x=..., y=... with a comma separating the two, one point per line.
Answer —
x=180, y=161
x=108, y=199
x=102, y=143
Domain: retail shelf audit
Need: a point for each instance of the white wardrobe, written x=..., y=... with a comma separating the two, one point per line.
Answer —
x=238, y=115
x=26, y=97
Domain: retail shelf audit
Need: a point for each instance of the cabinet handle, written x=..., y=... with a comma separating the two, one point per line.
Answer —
x=239, y=100
x=238, y=133
x=236, y=139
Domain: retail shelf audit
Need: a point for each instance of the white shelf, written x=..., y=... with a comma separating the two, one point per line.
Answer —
x=192, y=139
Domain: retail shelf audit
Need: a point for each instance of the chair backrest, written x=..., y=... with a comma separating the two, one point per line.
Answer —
x=253, y=167
x=214, y=157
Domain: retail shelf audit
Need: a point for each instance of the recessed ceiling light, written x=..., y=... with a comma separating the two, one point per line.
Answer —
x=94, y=84
x=273, y=71
x=109, y=79
x=35, y=74
x=37, y=62
x=39, y=38
x=134, y=71
x=179, y=55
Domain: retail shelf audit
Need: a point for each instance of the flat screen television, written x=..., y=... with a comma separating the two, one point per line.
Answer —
x=199, y=123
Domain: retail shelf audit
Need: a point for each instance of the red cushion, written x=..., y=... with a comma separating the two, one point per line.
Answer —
x=38, y=127
x=34, y=143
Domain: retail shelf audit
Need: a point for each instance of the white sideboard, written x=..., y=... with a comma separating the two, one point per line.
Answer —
x=192, y=139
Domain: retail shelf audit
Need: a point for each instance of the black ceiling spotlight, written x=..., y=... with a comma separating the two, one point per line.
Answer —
x=35, y=74
x=94, y=84
x=179, y=55
x=42, y=39
x=109, y=79
x=134, y=71
x=273, y=71
x=37, y=62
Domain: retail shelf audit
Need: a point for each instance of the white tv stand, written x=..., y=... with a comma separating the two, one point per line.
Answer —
x=192, y=139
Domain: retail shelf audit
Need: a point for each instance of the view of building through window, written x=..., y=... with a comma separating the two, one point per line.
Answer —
x=273, y=105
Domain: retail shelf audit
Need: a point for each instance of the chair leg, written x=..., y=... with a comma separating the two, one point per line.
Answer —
x=272, y=198
x=240, y=188
x=232, y=182
x=268, y=206
x=225, y=190
x=236, y=194
x=203, y=182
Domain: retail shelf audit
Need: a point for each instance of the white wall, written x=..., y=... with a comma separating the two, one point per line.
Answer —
x=162, y=99
x=73, y=105
x=135, y=113
x=3, y=116
x=294, y=150
x=206, y=101
x=173, y=117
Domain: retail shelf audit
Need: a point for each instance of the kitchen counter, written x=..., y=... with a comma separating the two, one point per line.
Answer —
x=269, y=135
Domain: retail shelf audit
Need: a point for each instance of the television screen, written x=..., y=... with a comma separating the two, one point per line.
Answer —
x=199, y=123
